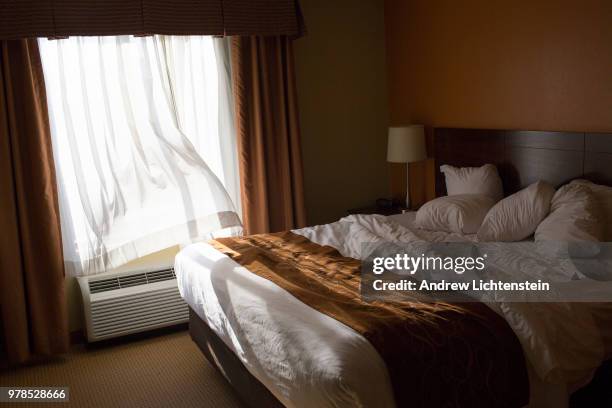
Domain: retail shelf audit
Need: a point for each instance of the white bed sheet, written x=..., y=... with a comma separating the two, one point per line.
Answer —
x=307, y=359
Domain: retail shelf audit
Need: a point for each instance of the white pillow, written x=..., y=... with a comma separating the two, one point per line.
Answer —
x=458, y=213
x=473, y=180
x=603, y=199
x=516, y=217
x=574, y=216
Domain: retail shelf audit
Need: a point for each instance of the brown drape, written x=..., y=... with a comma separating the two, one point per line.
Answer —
x=268, y=134
x=32, y=306
x=44, y=18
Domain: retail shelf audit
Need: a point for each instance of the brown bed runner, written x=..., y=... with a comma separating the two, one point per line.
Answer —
x=437, y=354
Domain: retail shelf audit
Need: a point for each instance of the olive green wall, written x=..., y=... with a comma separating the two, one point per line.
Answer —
x=341, y=80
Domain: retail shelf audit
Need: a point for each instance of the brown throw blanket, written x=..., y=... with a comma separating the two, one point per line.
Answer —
x=437, y=354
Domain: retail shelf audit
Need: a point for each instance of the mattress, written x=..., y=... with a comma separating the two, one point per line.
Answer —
x=306, y=358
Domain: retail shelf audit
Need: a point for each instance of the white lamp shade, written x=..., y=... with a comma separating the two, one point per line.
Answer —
x=406, y=144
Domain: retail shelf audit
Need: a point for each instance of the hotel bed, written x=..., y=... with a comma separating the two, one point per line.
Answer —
x=278, y=350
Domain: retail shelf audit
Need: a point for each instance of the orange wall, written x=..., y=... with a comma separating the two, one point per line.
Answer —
x=537, y=65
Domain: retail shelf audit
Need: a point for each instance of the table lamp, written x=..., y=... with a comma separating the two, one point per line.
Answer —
x=406, y=144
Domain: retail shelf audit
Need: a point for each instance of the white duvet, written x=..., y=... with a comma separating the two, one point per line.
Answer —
x=307, y=359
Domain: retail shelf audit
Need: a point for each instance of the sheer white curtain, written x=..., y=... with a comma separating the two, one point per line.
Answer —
x=143, y=144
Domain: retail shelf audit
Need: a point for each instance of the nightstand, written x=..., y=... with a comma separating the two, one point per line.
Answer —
x=378, y=210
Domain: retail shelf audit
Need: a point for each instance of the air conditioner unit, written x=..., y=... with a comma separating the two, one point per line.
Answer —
x=116, y=305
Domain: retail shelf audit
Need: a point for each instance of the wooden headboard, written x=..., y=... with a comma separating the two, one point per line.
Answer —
x=524, y=157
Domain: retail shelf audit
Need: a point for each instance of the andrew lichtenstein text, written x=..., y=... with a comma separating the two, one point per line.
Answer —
x=405, y=264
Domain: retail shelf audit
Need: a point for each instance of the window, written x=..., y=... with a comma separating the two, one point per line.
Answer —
x=143, y=142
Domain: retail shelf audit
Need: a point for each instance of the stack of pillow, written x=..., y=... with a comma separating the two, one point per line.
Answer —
x=577, y=212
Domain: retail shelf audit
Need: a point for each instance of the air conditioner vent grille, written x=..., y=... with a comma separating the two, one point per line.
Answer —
x=118, y=282
x=133, y=280
x=103, y=285
x=167, y=274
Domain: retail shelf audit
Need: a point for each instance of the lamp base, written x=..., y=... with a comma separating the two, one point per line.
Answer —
x=408, y=186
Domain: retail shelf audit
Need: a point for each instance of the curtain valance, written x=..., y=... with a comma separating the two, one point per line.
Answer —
x=62, y=18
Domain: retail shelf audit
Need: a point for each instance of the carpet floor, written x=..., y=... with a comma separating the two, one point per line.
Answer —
x=164, y=371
